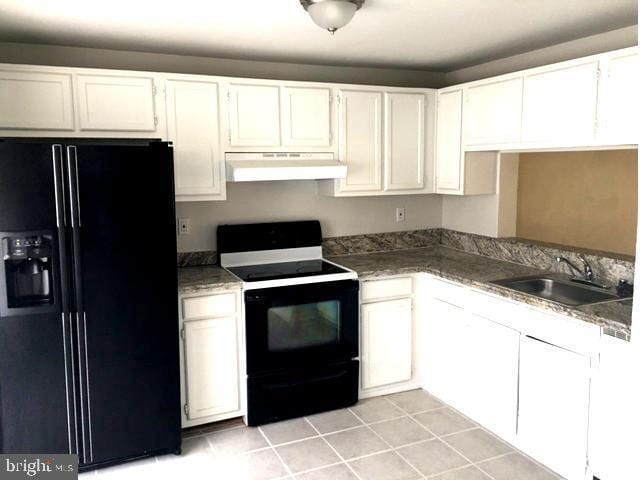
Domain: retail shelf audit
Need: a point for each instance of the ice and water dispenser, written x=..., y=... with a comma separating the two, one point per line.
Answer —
x=27, y=271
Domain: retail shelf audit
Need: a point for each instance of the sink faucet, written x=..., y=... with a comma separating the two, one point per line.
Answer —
x=586, y=272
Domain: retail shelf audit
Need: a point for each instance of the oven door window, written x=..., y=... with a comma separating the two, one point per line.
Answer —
x=295, y=327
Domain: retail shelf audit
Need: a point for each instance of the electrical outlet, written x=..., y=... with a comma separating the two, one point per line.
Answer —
x=400, y=214
x=184, y=226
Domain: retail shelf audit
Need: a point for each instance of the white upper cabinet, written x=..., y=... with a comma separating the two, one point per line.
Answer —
x=193, y=127
x=449, y=161
x=360, y=134
x=386, y=342
x=36, y=100
x=254, y=115
x=559, y=106
x=404, y=152
x=116, y=103
x=618, y=98
x=306, y=116
x=493, y=112
x=553, y=415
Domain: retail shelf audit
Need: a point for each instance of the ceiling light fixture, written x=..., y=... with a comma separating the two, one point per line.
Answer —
x=331, y=14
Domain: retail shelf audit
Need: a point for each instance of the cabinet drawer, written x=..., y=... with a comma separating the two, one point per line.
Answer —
x=209, y=306
x=392, y=287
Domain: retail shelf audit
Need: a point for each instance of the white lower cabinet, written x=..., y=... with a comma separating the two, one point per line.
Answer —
x=471, y=363
x=614, y=412
x=480, y=355
x=443, y=369
x=493, y=351
x=553, y=413
x=386, y=342
x=211, y=367
x=212, y=358
x=388, y=337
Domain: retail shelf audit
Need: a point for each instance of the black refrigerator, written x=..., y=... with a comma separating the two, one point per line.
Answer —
x=88, y=299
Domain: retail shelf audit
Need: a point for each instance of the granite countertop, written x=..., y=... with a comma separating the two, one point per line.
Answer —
x=477, y=271
x=208, y=278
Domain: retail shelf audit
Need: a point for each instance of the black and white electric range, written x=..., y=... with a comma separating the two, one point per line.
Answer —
x=301, y=315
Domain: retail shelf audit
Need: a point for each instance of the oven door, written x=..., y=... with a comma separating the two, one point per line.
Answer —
x=301, y=325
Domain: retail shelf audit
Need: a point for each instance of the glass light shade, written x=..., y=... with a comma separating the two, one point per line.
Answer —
x=332, y=14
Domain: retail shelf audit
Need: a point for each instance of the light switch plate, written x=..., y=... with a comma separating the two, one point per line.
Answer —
x=400, y=214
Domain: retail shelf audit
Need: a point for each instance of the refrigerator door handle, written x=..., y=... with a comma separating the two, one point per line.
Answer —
x=67, y=328
x=72, y=173
x=58, y=185
x=86, y=371
x=83, y=375
x=80, y=318
x=69, y=375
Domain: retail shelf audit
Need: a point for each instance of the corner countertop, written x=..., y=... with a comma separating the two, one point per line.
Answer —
x=209, y=278
x=478, y=271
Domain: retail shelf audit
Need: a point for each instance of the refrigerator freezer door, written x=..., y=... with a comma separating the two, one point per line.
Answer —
x=36, y=362
x=27, y=189
x=33, y=400
x=126, y=298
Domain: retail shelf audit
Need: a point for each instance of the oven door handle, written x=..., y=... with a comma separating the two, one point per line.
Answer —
x=323, y=378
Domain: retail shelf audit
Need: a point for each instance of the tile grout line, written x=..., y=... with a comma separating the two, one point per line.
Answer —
x=286, y=467
x=334, y=450
x=405, y=414
x=441, y=440
x=393, y=449
x=513, y=448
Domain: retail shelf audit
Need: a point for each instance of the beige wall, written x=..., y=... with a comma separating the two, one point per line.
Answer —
x=158, y=62
x=584, y=199
x=298, y=200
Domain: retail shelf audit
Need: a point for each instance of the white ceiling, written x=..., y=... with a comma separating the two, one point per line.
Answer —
x=437, y=35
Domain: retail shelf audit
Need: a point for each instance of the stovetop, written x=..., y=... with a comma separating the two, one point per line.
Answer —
x=284, y=270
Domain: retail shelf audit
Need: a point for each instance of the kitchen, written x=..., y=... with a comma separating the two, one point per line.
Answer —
x=383, y=270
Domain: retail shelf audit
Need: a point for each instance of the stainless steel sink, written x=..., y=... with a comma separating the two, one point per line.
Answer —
x=561, y=291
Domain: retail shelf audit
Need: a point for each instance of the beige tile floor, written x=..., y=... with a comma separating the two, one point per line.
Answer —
x=404, y=436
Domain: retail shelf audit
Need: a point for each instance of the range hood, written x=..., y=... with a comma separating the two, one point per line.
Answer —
x=255, y=167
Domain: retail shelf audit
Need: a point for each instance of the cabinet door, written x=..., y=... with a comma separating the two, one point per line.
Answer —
x=493, y=112
x=35, y=100
x=618, y=100
x=254, y=115
x=612, y=457
x=559, y=106
x=553, y=414
x=386, y=342
x=361, y=140
x=211, y=364
x=116, y=103
x=444, y=371
x=448, y=142
x=306, y=116
x=404, y=141
x=192, y=124
x=493, y=351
